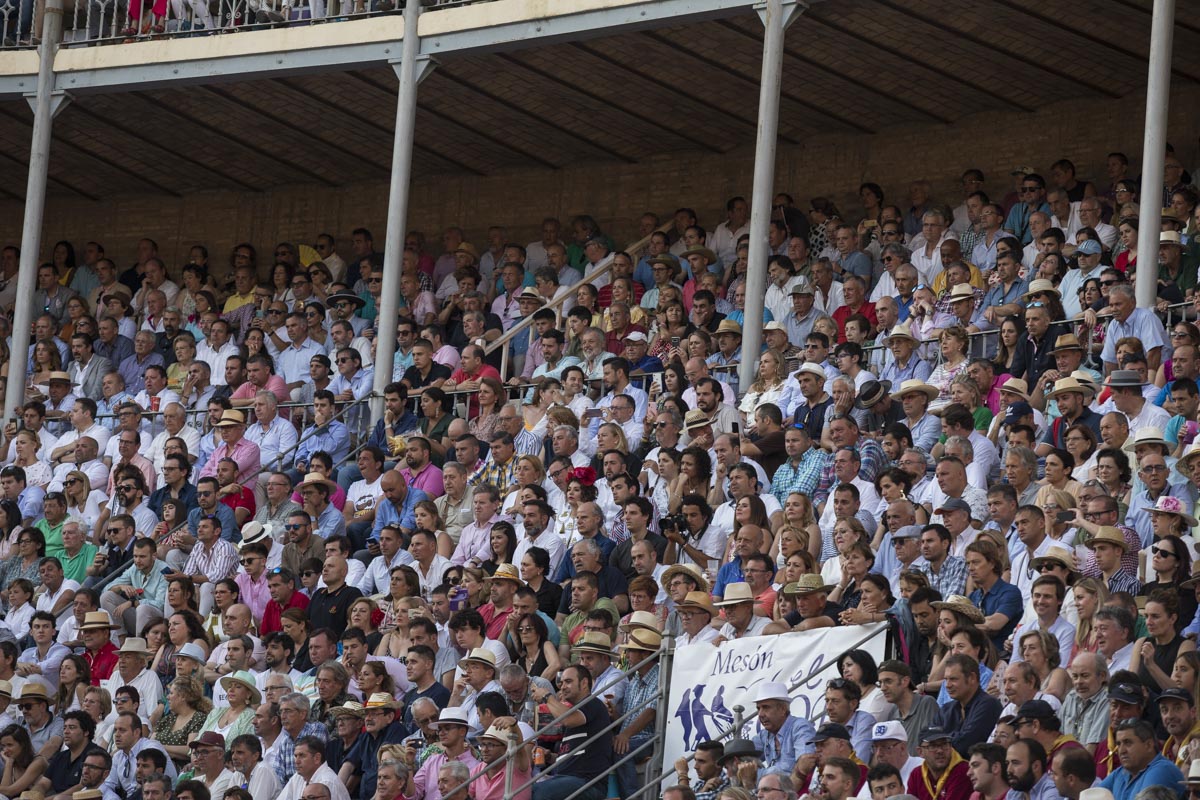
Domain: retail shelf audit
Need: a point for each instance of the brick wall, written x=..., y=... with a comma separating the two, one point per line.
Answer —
x=616, y=194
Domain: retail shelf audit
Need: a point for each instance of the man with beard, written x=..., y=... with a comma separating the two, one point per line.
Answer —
x=943, y=776
x=1027, y=773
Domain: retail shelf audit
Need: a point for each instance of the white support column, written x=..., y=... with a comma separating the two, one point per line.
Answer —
x=411, y=69
x=776, y=15
x=1154, y=149
x=46, y=104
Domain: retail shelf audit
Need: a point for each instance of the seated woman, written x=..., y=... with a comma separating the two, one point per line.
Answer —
x=22, y=767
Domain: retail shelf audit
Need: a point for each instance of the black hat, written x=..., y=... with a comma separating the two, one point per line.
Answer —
x=1034, y=709
x=1130, y=693
x=1177, y=694
x=934, y=733
x=831, y=730
x=871, y=393
x=739, y=748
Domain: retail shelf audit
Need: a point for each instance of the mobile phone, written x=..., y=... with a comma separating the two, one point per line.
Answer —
x=735, y=428
x=675, y=341
x=593, y=413
x=656, y=382
x=1065, y=516
x=166, y=570
x=870, y=223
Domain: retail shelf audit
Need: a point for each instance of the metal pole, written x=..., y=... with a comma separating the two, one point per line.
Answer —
x=776, y=16
x=665, y=663
x=44, y=108
x=1154, y=150
x=410, y=75
x=508, y=765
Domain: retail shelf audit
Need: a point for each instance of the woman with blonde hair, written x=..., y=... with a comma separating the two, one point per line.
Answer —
x=965, y=392
x=790, y=539
x=187, y=711
x=527, y=471
x=1090, y=596
x=1040, y=650
x=772, y=372
x=83, y=502
x=1052, y=502
x=37, y=472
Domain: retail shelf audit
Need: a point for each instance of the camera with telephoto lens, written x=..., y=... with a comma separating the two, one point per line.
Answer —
x=674, y=522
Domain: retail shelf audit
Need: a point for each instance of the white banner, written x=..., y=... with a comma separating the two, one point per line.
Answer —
x=707, y=682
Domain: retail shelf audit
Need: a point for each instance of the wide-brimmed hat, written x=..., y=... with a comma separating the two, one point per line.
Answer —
x=807, y=584
x=344, y=297
x=665, y=260
x=1100, y=793
x=916, y=385
x=1170, y=237
x=351, y=708
x=5, y=688
x=736, y=593
x=506, y=572
x=34, y=794
x=1190, y=453
x=1066, y=342
x=499, y=734
x=1067, y=385
x=902, y=331
x=34, y=690
x=871, y=393
x=1191, y=582
x=530, y=293
x=245, y=679
x=774, y=326
x=690, y=570
x=1125, y=378
x=640, y=620
x=701, y=251
x=1110, y=535
x=94, y=620
x=316, y=478
x=1055, y=555
x=1193, y=776
x=469, y=249
x=1174, y=506
x=135, y=645
x=208, y=739
x=1016, y=386
x=193, y=651
x=728, y=326
x=230, y=418
x=253, y=532
x=739, y=748
x=593, y=642
x=802, y=286
x=479, y=655
x=59, y=377
x=1087, y=380
x=1148, y=435
x=698, y=600
x=1040, y=286
x=956, y=602
x=456, y=715
x=642, y=640
x=772, y=690
x=812, y=368
x=696, y=418
x=385, y=700
x=962, y=291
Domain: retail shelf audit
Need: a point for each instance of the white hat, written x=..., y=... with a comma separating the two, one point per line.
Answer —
x=452, y=716
x=772, y=690
x=1096, y=794
x=813, y=367
x=888, y=731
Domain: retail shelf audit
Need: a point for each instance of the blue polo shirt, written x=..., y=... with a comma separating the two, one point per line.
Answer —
x=1159, y=772
x=1004, y=598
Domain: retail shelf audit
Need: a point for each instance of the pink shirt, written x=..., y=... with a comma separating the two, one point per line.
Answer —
x=428, y=480
x=244, y=452
x=254, y=594
x=275, y=386
x=491, y=787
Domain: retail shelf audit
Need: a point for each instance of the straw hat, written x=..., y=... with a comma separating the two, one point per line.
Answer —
x=469, y=249
x=351, y=708
x=593, y=642
x=82, y=794
x=915, y=385
x=962, y=291
x=642, y=640
x=252, y=533
x=59, y=377
x=507, y=572
x=690, y=570
x=1016, y=386
x=695, y=418
x=1170, y=237
x=735, y=594
x=699, y=600
x=1040, y=286
x=230, y=418
x=728, y=326
x=498, y=734
x=1191, y=582
x=94, y=620
x=1110, y=535
x=1147, y=435
x=385, y=700
x=701, y=251
x=316, y=478
x=1068, y=342
x=902, y=331
x=245, y=679
x=807, y=584
x=34, y=690
x=135, y=645
x=1055, y=555
x=450, y=716
x=1175, y=507
x=480, y=655
x=956, y=602
x=1066, y=386
x=640, y=620
x=1190, y=453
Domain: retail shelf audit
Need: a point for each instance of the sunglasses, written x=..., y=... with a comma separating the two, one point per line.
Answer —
x=288, y=527
x=308, y=573
x=245, y=562
x=1158, y=551
x=205, y=493
x=70, y=481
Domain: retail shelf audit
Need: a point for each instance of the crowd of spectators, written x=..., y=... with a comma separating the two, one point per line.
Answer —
x=219, y=579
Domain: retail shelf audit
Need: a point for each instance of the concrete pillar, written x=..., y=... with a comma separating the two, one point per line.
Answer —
x=1154, y=150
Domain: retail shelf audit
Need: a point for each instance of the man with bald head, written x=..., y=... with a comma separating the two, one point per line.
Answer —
x=237, y=621
x=1085, y=708
x=396, y=507
x=330, y=604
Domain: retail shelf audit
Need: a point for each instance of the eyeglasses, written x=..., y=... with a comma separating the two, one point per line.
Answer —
x=1179, y=334
x=525, y=629
x=375, y=280
x=245, y=562
x=1038, y=304
x=289, y=526
x=1029, y=189
x=70, y=481
x=1109, y=283
x=1151, y=469
x=308, y=573
x=205, y=493
x=130, y=488
x=1158, y=551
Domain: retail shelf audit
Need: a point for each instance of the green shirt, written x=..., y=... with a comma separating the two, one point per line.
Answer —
x=572, y=627
x=75, y=567
x=54, y=545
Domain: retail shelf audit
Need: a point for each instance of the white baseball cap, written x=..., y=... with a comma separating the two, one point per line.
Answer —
x=889, y=731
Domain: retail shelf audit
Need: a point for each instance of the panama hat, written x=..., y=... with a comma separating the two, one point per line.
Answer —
x=480, y=655
x=665, y=260
x=451, y=716
x=689, y=570
x=1067, y=385
x=735, y=594
x=956, y=602
x=506, y=572
x=34, y=690
x=593, y=642
x=696, y=419
x=245, y=679
x=253, y=532
x=962, y=291
x=385, y=700
x=902, y=331
x=1190, y=453
x=642, y=640
x=807, y=584
x=5, y=688
x=59, y=377
x=802, y=286
x=1174, y=506
x=698, y=600
x=230, y=418
x=640, y=620
x=812, y=368
x=1147, y=435
x=1068, y=342
x=915, y=385
x=1040, y=286
x=1055, y=555
x=1109, y=535
x=135, y=645
x=469, y=249
x=1086, y=380
x=769, y=691
x=1016, y=386
x=351, y=708
x=1170, y=237
x=728, y=326
x=316, y=478
x=94, y=620
x=709, y=255
x=499, y=734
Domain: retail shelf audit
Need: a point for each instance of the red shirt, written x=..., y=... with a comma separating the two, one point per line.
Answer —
x=102, y=663
x=273, y=615
x=955, y=786
x=495, y=620
x=841, y=313
x=244, y=499
x=485, y=371
x=614, y=341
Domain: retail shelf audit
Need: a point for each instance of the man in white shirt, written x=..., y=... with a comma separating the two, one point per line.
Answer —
x=216, y=350
x=1089, y=217
x=131, y=670
x=276, y=438
x=208, y=764
x=174, y=426
x=723, y=240
x=377, y=578
x=695, y=613
x=1065, y=214
x=1115, y=636
x=83, y=423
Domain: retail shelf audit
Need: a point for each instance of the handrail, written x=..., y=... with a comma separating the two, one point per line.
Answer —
x=556, y=303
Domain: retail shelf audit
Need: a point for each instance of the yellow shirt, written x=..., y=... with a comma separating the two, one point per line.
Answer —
x=236, y=301
x=939, y=283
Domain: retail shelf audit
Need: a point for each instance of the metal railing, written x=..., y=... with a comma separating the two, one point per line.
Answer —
x=96, y=22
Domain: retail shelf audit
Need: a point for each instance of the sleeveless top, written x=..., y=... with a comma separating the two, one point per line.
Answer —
x=1164, y=657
